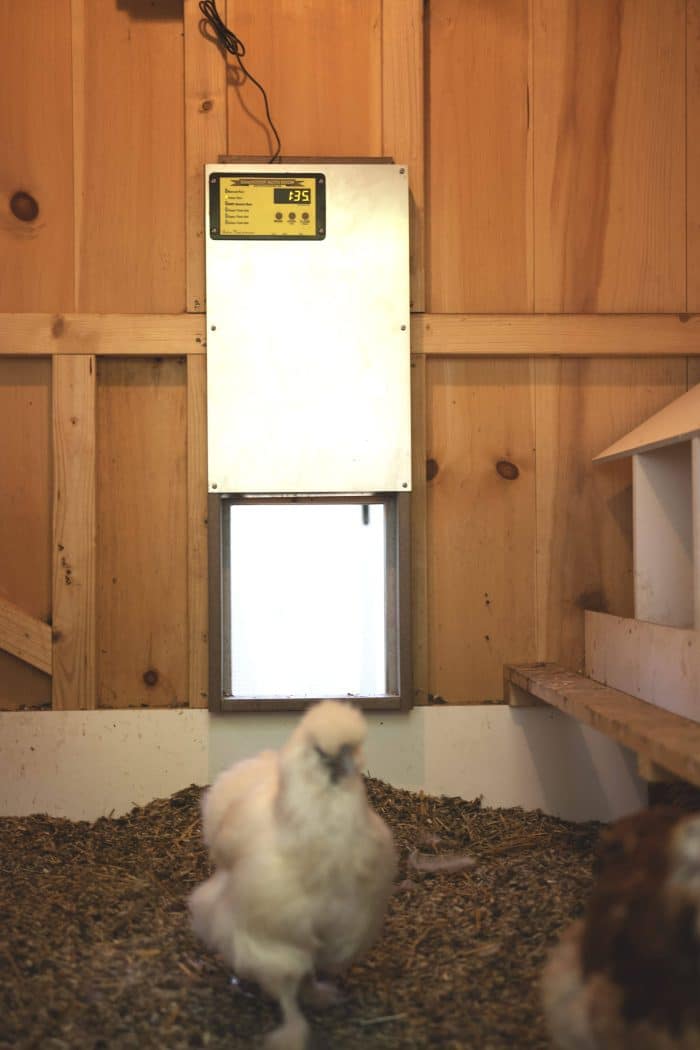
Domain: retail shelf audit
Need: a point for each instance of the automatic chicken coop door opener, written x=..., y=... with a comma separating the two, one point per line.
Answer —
x=308, y=334
x=308, y=366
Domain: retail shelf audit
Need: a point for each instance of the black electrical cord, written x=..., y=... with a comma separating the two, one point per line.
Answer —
x=235, y=46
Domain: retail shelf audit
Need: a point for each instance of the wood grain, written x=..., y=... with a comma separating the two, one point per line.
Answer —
x=320, y=64
x=584, y=511
x=142, y=625
x=693, y=153
x=403, y=119
x=652, y=662
x=197, y=556
x=609, y=107
x=25, y=521
x=481, y=525
x=419, y=533
x=36, y=257
x=102, y=334
x=556, y=335
x=205, y=138
x=482, y=335
x=479, y=150
x=669, y=741
x=80, y=93
x=25, y=637
x=74, y=539
x=130, y=166
x=674, y=424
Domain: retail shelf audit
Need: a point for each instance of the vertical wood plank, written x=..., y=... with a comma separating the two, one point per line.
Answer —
x=610, y=156
x=479, y=167
x=79, y=99
x=36, y=256
x=419, y=533
x=320, y=64
x=662, y=527
x=481, y=524
x=584, y=510
x=693, y=158
x=128, y=94
x=403, y=119
x=695, y=511
x=142, y=631
x=205, y=139
x=25, y=520
x=197, y=557
x=74, y=532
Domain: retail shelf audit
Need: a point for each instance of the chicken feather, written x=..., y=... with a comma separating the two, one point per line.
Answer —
x=627, y=974
x=303, y=865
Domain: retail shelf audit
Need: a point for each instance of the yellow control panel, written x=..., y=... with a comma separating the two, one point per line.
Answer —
x=267, y=207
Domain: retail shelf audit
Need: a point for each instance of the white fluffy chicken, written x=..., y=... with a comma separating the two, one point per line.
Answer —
x=628, y=973
x=303, y=865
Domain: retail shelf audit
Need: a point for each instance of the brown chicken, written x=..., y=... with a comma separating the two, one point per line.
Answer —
x=627, y=975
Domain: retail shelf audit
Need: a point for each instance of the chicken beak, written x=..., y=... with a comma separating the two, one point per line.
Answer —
x=342, y=764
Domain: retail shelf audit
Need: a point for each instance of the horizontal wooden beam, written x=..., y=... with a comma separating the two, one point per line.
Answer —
x=151, y=335
x=441, y=335
x=665, y=741
x=555, y=335
x=25, y=637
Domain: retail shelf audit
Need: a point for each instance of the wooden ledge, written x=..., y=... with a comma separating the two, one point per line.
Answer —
x=665, y=743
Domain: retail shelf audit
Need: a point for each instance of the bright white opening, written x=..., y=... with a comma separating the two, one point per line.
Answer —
x=307, y=600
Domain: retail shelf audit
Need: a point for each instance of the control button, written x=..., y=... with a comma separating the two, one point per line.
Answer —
x=305, y=216
x=292, y=216
x=278, y=216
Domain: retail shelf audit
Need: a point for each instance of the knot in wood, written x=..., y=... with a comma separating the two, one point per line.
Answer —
x=507, y=470
x=150, y=677
x=23, y=206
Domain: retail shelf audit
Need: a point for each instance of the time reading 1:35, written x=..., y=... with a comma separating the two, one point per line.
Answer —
x=288, y=195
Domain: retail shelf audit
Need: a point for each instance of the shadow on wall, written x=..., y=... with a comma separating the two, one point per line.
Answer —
x=162, y=10
x=585, y=771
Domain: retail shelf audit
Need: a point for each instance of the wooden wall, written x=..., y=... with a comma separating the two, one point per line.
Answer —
x=555, y=176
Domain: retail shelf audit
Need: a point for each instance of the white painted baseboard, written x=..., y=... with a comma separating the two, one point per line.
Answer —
x=86, y=764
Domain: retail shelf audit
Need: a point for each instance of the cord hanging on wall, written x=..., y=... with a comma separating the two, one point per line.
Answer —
x=228, y=40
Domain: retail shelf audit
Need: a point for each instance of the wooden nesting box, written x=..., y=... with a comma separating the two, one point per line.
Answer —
x=642, y=675
x=656, y=655
x=665, y=452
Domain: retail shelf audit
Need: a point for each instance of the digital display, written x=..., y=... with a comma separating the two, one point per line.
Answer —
x=267, y=205
x=292, y=195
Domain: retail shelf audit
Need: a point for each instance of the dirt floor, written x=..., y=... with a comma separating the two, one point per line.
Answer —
x=96, y=951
